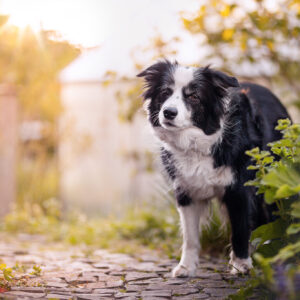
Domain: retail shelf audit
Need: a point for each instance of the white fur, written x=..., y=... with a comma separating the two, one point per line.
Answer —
x=239, y=265
x=189, y=218
x=182, y=76
x=195, y=170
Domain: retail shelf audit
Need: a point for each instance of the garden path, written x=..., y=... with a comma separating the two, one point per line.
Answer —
x=82, y=273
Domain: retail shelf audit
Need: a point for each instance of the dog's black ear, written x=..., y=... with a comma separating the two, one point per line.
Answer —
x=225, y=80
x=221, y=79
x=155, y=70
x=154, y=77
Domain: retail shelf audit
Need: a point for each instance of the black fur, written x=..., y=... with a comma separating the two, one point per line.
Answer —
x=250, y=118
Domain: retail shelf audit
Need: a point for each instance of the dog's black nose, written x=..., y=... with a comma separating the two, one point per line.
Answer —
x=170, y=113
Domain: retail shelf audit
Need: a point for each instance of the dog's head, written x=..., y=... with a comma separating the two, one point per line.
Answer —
x=186, y=97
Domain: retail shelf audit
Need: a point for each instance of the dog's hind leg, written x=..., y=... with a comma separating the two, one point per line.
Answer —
x=189, y=218
x=237, y=199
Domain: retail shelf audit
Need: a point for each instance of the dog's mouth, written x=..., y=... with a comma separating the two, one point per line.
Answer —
x=169, y=124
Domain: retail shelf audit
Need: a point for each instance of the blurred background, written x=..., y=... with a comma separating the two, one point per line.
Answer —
x=73, y=134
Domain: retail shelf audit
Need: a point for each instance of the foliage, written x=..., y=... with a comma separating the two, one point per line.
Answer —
x=37, y=270
x=17, y=275
x=277, y=254
x=152, y=228
x=215, y=235
x=259, y=37
x=7, y=272
x=31, y=63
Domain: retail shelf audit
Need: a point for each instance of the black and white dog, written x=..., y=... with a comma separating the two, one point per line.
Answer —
x=206, y=121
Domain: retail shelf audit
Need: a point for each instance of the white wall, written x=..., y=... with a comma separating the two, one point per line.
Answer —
x=95, y=174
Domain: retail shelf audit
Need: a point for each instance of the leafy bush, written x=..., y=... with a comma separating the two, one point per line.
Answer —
x=277, y=244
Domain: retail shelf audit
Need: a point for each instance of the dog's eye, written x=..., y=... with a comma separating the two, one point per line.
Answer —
x=193, y=97
x=166, y=93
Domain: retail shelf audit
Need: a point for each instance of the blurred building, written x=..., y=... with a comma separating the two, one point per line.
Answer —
x=102, y=160
x=8, y=147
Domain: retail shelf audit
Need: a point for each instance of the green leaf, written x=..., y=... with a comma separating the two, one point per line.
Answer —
x=282, y=174
x=269, y=231
x=283, y=124
x=7, y=273
x=293, y=228
x=270, y=196
x=271, y=248
x=287, y=252
x=286, y=191
x=265, y=266
x=295, y=212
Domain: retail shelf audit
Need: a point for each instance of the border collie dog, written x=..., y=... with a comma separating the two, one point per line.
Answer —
x=205, y=121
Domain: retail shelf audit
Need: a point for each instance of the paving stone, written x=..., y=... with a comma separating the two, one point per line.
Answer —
x=114, y=283
x=71, y=278
x=56, y=284
x=59, y=296
x=133, y=276
x=81, y=290
x=219, y=292
x=96, y=285
x=105, y=277
x=160, y=286
x=22, y=294
x=148, y=267
x=28, y=289
x=176, y=281
x=193, y=297
x=58, y=290
x=185, y=291
x=208, y=275
x=105, y=291
x=203, y=283
x=126, y=295
x=102, y=266
x=154, y=298
x=117, y=273
x=86, y=279
x=135, y=288
x=157, y=293
x=91, y=296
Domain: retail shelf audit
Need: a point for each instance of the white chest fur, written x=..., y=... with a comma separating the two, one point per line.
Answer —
x=195, y=172
x=198, y=177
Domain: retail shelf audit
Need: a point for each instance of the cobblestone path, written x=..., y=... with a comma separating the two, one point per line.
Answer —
x=75, y=274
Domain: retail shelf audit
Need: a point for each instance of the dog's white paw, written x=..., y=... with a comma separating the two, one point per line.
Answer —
x=239, y=265
x=183, y=271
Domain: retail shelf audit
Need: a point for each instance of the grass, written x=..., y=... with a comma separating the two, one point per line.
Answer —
x=151, y=228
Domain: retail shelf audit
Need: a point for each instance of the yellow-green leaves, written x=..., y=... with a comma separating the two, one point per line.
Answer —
x=278, y=178
x=7, y=272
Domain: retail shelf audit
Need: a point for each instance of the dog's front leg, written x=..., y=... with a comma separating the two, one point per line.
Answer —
x=189, y=218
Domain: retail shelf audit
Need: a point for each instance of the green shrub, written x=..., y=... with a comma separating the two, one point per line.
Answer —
x=277, y=255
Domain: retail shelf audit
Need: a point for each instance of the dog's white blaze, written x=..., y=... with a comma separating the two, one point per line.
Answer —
x=182, y=76
x=183, y=119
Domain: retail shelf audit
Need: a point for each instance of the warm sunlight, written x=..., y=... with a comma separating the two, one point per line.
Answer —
x=149, y=149
x=72, y=19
